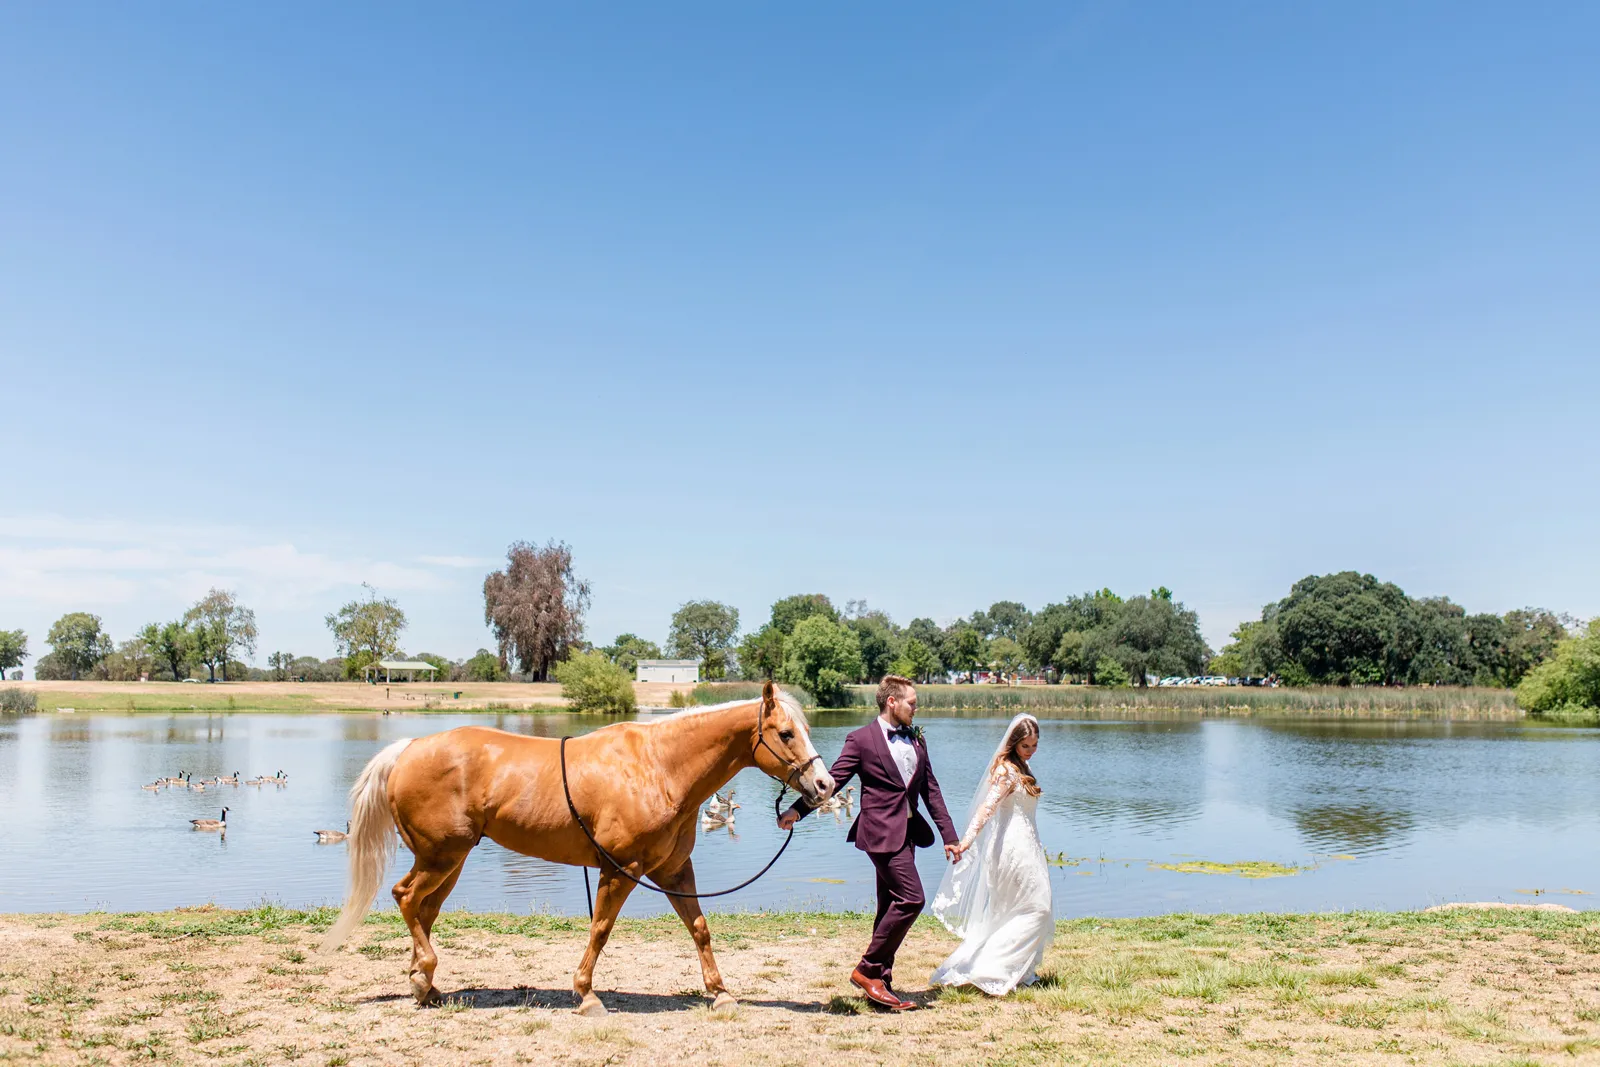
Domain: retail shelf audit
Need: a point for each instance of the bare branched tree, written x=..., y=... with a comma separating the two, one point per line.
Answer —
x=535, y=606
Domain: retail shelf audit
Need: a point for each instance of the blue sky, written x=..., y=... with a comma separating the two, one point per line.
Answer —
x=931, y=306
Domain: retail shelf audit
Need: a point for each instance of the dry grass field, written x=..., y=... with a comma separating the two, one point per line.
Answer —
x=314, y=696
x=1481, y=987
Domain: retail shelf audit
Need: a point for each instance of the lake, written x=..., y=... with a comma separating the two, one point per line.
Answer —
x=1388, y=815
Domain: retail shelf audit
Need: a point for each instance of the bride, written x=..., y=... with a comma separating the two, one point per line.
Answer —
x=997, y=898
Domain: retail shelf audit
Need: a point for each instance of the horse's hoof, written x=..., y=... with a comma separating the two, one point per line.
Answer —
x=590, y=1007
x=724, y=1002
x=422, y=988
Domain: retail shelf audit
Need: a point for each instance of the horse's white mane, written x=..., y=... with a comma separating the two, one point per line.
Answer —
x=790, y=705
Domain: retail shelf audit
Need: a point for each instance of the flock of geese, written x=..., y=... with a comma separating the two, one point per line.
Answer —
x=718, y=813
x=184, y=780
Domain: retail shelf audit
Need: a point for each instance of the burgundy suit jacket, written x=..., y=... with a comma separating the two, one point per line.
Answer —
x=881, y=825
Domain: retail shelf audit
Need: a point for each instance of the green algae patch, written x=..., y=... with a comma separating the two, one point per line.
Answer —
x=1242, y=869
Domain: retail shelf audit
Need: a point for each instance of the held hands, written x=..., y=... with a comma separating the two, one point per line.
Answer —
x=954, y=852
x=787, y=820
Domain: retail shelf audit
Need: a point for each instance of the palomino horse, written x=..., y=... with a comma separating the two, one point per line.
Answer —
x=637, y=786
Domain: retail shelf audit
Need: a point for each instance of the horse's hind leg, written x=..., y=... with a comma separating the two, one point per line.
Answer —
x=688, y=910
x=608, y=899
x=420, y=895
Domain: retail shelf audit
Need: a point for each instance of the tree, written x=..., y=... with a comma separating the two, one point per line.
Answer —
x=822, y=656
x=171, y=645
x=1569, y=681
x=591, y=682
x=628, y=649
x=131, y=661
x=1005, y=655
x=366, y=630
x=879, y=639
x=704, y=630
x=13, y=649
x=962, y=648
x=483, y=667
x=1347, y=629
x=282, y=664
x=1041, y=640
x=77, y=643
x=788, y=612
x=535, y=606
x=446, y=668
x=916, y=661
x=1007, y=618
x=1530, y=637
x=1154, y=635
x=232, y=628
x=761, y=653
x=1254, y=651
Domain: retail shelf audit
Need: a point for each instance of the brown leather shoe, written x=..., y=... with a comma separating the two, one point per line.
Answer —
x=879, y=993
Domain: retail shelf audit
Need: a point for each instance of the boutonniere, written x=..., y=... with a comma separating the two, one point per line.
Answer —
x=916, y=734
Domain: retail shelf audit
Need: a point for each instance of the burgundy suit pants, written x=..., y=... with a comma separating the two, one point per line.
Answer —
x=900, y=901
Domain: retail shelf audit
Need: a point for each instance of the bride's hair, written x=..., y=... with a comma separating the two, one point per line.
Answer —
x=1021, y=732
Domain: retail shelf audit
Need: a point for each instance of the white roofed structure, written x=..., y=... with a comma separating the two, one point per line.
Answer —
x=410, y=666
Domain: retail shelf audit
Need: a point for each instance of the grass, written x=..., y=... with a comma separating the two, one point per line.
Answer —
x=1317, y=701
x=1351, y=988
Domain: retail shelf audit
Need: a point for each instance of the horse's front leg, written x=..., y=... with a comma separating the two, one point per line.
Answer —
x=608, y=899
x=688, y=910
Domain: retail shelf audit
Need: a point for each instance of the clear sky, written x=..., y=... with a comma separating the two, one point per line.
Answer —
x=931, y=305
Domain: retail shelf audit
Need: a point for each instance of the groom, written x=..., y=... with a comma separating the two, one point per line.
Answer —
x=890, y=758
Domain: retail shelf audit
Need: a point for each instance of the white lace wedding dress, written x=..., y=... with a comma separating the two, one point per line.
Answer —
x=997, y=898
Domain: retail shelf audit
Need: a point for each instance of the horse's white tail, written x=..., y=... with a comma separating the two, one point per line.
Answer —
x=371, y=841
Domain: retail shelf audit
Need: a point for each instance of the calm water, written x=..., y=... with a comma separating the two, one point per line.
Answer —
x=1392, y=815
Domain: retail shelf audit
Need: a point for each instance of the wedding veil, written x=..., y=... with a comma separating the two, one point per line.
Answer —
x=962, y=900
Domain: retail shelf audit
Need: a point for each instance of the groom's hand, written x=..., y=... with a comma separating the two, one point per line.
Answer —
x=953, y=851
x=787, y=820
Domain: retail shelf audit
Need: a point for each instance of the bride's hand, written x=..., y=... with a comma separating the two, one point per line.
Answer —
x=954, y=852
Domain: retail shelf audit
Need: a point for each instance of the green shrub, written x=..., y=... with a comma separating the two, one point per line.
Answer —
x=17, y=701
x=593, y=683
x=1111, y=674
x=1567, y=683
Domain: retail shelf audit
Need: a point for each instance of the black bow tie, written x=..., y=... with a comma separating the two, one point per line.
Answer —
x=902, y=732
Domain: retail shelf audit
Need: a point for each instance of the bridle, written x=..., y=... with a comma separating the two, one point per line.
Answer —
x=795, y=767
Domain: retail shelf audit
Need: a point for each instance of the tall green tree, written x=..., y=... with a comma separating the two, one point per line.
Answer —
x=1005, y=655
x=918, y=662
x=880, y=643
x=231, y=626
x=13, y=650
x=1007, y=618
x=962, y=648
x=78, y=643
x=1530, y=637
x=823, y=656
x=704, y=630
x=761, y=653
x=171, y=645
x=1348, y=628
x=366, y=630
x=1154, y=635
x=788, y=612
x=281, y=665
x=628, y=649
x=1042, y=638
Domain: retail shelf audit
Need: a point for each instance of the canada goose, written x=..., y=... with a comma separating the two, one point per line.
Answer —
x=280, y=778
x=837, y=801
x=332, y=837
x=198, y=787
x=181, y=779
x=212, y=824
x=229, y=781
x=256, y=781
x=154, y=786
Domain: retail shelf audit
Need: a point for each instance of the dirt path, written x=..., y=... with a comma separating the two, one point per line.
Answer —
x=246, y=988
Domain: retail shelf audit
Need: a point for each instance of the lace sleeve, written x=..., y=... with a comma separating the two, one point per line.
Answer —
x=1001, y=784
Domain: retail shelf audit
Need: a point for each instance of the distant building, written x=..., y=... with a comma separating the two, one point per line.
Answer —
x=669, y=670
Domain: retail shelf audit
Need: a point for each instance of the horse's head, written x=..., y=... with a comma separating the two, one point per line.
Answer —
x=783, y=746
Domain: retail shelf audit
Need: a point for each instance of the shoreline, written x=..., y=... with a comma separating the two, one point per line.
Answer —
x=1467, y=985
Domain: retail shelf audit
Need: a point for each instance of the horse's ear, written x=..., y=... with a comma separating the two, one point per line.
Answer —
x=769, y=695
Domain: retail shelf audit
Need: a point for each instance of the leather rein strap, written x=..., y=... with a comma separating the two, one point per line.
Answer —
x=777, y=807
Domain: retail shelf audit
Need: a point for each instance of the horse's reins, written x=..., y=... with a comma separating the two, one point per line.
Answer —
x=777, y=807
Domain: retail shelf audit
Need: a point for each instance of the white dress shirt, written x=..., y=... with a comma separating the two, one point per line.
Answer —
x=903, y=752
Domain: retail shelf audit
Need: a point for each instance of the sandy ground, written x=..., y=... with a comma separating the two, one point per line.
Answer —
x=318, y=696
x=1467, y=987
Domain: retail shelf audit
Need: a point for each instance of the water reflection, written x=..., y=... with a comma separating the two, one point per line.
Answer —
x=1359, y=829
x=1419, y=805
